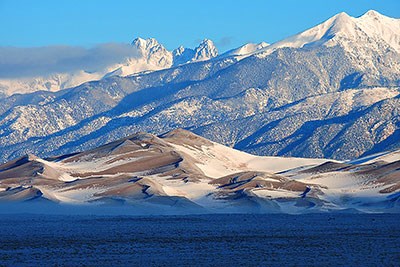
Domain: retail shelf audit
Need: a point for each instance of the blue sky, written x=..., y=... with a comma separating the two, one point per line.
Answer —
x=228, y=23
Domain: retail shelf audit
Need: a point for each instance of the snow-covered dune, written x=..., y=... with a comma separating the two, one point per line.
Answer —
x=181, y=170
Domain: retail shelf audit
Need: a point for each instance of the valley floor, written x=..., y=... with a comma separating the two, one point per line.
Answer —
x=201, y=240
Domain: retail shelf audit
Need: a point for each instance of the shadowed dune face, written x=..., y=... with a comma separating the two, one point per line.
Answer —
x=28, y=171
x=151, y=163
x=177, y=168
x=328, y=167
x=119, y=169
x=388, y=176
x=22, y=167
x=137, y=153
x=237, y=184
x=20, y=194
x=376, y=174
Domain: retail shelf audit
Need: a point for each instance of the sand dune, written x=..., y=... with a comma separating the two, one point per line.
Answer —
x=182, y=170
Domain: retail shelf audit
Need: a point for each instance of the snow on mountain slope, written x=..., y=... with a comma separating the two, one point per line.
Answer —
x=205, y=51
x=365, y=39
x=50, y=83
x=315, y=101
x=59, y=123
x=245, y=50
x=180, y=170
x=344, y=123
x=348, y=32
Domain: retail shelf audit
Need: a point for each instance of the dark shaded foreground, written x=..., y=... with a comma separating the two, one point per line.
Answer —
x=201, y=240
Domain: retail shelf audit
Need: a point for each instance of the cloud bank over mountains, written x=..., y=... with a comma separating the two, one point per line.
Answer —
x=17, y=62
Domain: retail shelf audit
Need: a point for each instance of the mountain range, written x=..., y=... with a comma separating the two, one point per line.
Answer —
x=146, y=55
x=331, y=91
x=180, y=172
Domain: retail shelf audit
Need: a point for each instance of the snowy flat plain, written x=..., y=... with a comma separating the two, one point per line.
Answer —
x=200, y=240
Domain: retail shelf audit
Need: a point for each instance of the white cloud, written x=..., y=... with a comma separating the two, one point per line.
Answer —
x=16, y=62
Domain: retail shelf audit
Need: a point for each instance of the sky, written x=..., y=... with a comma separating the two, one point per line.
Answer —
x=87, y=23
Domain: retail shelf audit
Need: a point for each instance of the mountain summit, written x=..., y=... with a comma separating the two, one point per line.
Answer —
x=349, y=32
x=153, y=52
x=206, y=50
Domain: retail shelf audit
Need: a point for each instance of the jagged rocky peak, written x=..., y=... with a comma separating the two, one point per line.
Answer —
x=154, y=52
x=206, y=50
x=145, y=44
x=179, y=51
x=149, y=46
x=182, y=55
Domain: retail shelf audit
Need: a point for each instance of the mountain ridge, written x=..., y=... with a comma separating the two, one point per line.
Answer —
x=150, y=56
x=333, y=30
x=313, y=101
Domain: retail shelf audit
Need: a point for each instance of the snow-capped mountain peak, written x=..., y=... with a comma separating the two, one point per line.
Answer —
x=139, y=42
x=379, y=26
x=153, y=52
x=151, y=55
x=206, y=50
x=179, y=51
x=372, y=14
x=182, y=55
x=342, y=23
x=145, y=43
x=348, y=32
